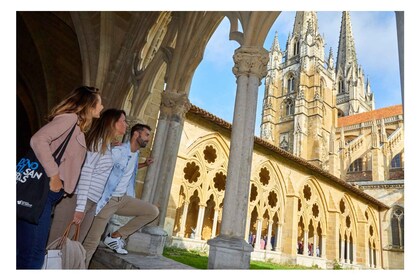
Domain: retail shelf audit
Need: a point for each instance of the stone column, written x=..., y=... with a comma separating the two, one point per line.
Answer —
x=305, y=242
x=270, y=228
x=277, y=245
x=342, y=257
x=314, y=246
x=258, y=235
x=200, y=219
x=375, y=258
x=229, y=249
x=158, y=181
x=248, y=226
x=214, y=227
x=159, y=176
x=181, y=232
x=347, y=256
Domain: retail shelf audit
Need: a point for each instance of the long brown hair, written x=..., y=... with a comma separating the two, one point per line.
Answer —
x=103, y=130
x=80, y=101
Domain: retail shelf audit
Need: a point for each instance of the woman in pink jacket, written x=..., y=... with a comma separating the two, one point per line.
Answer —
x=82, y=105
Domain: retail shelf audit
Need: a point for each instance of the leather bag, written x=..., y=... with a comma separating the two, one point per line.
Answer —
x=65, y=253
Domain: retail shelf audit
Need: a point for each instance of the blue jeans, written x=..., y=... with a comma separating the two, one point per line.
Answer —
x=31, y=240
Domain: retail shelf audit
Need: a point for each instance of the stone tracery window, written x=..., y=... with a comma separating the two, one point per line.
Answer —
x=254, y=193
x=264, y=176
x=341, y=86
x=396, y=161
x=315, y=210
x=348, y=221
x=342, y=206
x=272, y=199
x=296, y=48
x=289, y=107
x=220, y=181
x=397, y=227
x=307, y=192
x=210, y=154
x=191, y=172
x=290, y=84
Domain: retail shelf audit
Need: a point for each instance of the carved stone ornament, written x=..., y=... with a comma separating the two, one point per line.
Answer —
x=174, y=105
x=250, y=61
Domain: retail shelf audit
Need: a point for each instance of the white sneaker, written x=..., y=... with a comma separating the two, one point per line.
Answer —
x=116, y=244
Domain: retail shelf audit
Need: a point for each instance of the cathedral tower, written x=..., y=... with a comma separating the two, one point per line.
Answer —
x=353, y=95
x=299, y=100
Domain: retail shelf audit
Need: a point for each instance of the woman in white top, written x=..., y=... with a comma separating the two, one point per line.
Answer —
x=80, y=206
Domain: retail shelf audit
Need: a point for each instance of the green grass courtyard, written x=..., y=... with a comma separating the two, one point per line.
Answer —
x=199, y=260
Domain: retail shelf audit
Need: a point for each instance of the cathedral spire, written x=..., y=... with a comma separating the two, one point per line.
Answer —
x=331, y=60
x=346, y=55
x=304, y=22
x=276, y=45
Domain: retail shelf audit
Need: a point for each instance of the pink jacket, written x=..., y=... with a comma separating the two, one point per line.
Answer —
x=46, y=140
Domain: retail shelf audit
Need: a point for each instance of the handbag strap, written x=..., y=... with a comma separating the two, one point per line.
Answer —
x=67, y=231
x=59, y=152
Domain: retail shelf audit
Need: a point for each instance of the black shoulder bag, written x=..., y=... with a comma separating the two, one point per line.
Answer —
x=33, y=184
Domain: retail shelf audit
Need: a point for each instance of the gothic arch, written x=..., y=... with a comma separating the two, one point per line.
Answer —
x=373, y=221
x=215, y=138
x=287, y=106
x=313, y=182
x=348, y=211
x=290, y=81
x=270, y=186
x=204, y=178
x=312, y=217
x=322, y=87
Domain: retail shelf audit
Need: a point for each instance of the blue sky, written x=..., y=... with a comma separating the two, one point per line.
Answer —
x=214, y=86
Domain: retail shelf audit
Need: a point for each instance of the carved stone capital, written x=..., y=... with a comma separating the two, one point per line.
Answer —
x=132, y=120
x=250, y=61
x=174, y=105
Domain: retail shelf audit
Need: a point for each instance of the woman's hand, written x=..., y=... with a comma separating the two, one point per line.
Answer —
x=55, y=183
x=78, y=217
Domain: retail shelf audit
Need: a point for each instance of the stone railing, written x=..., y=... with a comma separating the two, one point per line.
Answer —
x=396, y=139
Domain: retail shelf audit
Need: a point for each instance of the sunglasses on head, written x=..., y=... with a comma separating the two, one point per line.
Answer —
x=91, y=89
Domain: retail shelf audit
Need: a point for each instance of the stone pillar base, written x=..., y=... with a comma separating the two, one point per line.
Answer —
x=149, y=240
x=229, y=253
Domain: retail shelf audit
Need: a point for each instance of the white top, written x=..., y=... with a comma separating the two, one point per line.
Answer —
x=94, y=174
x=121, y=189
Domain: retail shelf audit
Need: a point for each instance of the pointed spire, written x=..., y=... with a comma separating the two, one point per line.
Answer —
x=305, y=21
x=331, y=59
x=368, y=90
x=346, y=48
x=276, y=45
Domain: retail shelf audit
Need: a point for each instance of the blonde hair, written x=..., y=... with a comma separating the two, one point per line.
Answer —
x=80, y=101
x=103, y=130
